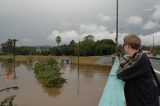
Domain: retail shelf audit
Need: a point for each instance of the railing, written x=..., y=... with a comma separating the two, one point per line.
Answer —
x=157, y=56
x=113, y=94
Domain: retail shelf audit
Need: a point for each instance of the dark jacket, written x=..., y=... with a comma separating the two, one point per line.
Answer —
x=139, y=87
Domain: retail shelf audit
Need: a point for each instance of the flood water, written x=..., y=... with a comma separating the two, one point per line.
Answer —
x=82, y=88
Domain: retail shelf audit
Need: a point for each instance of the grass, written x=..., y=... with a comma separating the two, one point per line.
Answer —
x=85, y=59
x=27, y=57
x=89, y=60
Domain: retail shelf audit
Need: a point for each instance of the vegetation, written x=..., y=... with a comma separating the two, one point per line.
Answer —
x=26, y=58
x=88, y=47
x=8, y=46
x=85, y=59
x=155, y=48
x=48, y=73
x=7, y=101
x=58, y=40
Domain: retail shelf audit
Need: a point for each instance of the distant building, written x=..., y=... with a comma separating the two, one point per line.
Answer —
x=41, y=48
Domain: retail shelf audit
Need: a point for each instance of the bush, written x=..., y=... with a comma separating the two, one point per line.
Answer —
x=7, y=101
x=48, y=73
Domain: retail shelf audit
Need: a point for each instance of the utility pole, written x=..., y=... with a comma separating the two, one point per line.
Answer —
x=117, y=24
x=14, y=44
x=116, y=39
x=78, y=58
x=78, y=69
x=153, y=41
x=154, y=51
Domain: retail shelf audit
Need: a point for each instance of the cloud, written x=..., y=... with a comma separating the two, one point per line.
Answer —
x=99, y=32
x=155, y=18
x=104, y=18
x=90, y=28
x=27, y=40
x=66, y=24
x=149, y=25
x=148, y=39
x=156, y=13
x=134, y=20
x=66, y=36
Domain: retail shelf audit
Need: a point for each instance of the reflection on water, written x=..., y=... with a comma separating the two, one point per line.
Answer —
x=82, y=88
x=53, y=92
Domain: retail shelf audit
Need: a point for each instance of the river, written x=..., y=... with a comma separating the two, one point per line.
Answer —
x=82, y=88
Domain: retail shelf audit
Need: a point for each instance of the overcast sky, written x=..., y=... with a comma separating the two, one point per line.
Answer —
x=38, y=22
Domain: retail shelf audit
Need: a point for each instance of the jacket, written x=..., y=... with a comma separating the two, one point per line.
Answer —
x=139, y=87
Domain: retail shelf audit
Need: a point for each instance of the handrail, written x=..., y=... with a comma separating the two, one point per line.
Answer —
x=113, y=94
x=154, y=57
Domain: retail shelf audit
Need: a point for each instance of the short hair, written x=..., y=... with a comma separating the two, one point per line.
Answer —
x=133, y=40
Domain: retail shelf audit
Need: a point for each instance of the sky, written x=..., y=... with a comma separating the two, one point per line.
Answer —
x=38, y=22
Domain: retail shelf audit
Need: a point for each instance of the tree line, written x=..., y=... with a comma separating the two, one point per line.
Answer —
x=86, y=47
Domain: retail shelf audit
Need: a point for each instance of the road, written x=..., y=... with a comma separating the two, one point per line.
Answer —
x=155, y=63
x=156, y=66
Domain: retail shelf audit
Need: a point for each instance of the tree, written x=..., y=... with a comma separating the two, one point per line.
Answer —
x=105, y=47
x=26, y=50
x=87, y=47
x=89, y=37
x=65, y=50
x=58, y=40
x=72, y=46
x=9, y=46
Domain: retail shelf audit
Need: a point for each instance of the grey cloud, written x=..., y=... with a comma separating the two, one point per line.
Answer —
x=36, y=19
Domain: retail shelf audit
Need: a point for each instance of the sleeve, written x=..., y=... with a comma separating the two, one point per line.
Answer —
x=132, y=69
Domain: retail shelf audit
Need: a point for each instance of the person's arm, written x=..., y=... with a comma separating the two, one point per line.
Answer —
x=132, y=69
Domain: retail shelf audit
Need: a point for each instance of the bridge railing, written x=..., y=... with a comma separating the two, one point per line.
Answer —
x=157, y=56
x=113, y=94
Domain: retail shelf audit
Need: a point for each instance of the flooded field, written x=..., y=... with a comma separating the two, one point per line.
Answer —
x=83, y=87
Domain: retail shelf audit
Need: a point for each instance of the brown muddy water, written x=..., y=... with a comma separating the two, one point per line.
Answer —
x=83, y=87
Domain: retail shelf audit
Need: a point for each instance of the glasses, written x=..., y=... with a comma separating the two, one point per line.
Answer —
x=124, y=44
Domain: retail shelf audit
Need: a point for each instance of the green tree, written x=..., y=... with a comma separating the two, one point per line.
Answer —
x=9, y=46
x=58, y=40
x=65, y=50
x=89, y=37
x=105, y=47
x=72, y=47
x=26, y=50
x=86, y=47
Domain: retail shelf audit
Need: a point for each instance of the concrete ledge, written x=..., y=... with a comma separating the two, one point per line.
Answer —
x=113, y=94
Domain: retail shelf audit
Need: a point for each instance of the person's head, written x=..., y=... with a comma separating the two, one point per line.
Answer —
x=131, y=43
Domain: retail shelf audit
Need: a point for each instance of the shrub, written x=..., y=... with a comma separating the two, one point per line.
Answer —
x=48, y=73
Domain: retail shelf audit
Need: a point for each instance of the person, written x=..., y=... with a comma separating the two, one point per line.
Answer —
x=119, y=54
x=139, y=88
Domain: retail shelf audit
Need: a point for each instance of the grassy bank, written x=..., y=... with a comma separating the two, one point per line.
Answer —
x=74, y=59
x=27, y=57
x=89, y=60
x=85, y=59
